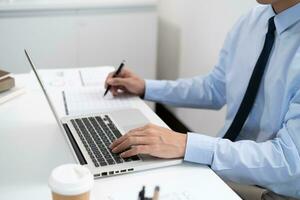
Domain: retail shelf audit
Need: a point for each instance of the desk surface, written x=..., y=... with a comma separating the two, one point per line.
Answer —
x=32, y=145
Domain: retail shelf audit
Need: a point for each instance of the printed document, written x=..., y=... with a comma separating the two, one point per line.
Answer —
x=91, y=100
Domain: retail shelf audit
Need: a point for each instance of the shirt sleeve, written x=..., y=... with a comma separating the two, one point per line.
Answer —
x=199, y=92
x=267, y=163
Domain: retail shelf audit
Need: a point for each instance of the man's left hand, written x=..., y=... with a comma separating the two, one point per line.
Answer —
x=151, y=140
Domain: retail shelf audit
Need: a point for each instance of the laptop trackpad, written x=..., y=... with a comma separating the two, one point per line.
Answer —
x=129, y=119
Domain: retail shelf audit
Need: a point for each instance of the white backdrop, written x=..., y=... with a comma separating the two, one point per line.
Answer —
x=90, y=33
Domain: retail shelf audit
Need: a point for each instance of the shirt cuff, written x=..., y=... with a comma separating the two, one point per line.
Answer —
x=152, y=89
x=200, y=148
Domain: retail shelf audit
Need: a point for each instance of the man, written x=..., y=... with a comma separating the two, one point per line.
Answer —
x=258, y=78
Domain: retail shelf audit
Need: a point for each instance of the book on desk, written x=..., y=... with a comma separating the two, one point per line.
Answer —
x=8, y=89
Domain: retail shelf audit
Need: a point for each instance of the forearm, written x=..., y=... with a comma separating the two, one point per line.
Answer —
x=267, y=164
x=197, y=92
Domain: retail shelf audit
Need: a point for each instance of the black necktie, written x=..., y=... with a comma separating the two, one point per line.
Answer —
x=253, y=85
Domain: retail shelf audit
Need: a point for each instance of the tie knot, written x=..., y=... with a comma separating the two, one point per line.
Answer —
x=271, y=26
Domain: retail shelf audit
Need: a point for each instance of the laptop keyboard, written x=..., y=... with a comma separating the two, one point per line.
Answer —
x=96, y=134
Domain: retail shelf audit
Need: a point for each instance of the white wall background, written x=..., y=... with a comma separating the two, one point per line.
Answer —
x=191, y=34
x=70, y=34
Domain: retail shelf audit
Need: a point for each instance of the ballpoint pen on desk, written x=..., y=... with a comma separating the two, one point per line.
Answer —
x=142, y=194
x=115, y=74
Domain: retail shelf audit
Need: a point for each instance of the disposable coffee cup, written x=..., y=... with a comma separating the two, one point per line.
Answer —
x=71, y=182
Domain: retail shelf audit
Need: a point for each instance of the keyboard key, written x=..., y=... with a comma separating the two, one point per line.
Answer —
x=110, y=161
x=127, y=159
x=135, y=158
x=118, y=160
x=96, y=134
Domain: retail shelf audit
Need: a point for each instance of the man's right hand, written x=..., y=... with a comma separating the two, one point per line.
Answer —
x=126, y=82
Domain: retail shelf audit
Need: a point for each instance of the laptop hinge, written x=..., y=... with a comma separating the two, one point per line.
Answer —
x=75, y=146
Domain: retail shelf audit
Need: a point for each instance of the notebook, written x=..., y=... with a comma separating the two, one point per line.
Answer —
x=6, y=84
x=90, y=100
x=80, y=77
x=4, y=74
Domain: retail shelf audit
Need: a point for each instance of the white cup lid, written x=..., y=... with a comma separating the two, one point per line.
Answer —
x=71, y=179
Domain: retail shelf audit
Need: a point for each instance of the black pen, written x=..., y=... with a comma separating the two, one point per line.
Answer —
x=115, y=74
x=142, y=194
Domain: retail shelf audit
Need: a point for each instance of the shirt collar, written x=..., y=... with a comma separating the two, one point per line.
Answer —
x=286, y=18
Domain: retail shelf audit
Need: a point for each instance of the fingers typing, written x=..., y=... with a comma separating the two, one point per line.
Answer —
x=141, y=149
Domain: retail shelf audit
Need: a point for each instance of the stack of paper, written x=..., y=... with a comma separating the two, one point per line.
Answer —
x=91, y=100
x=82, y=90
x=95, y=76
x=74, y=78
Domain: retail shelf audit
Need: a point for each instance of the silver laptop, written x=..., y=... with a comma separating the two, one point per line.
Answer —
x=90, y=135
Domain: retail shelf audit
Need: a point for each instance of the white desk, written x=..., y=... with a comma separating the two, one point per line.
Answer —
x=32, y=145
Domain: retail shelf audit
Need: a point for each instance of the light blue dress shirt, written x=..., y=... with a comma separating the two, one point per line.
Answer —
x=267, y=151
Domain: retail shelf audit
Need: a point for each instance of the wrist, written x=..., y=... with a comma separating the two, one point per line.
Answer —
x=182, y=144
x=143, y=89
